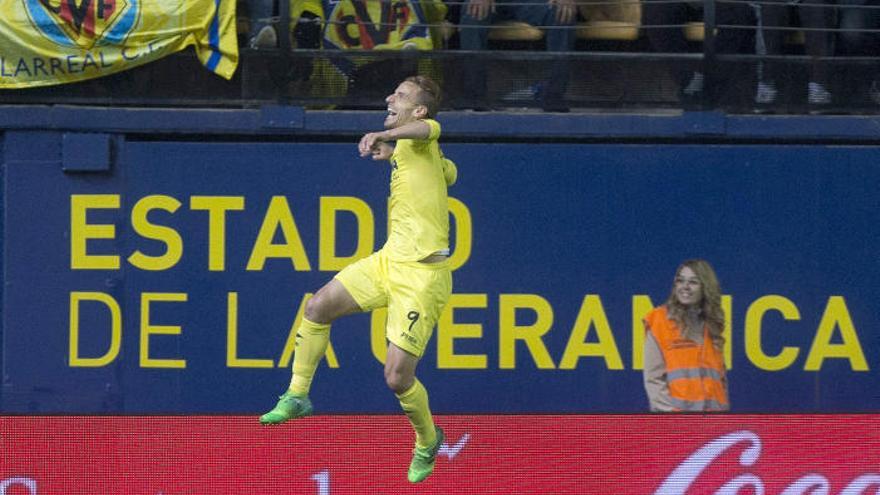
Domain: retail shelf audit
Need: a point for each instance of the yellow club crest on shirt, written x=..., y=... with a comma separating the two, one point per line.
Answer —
x=83, y=23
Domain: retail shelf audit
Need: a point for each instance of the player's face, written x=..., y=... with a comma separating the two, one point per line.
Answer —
x=688, y=288
x=402, y=105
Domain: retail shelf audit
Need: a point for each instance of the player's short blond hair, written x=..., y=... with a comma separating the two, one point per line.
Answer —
x=428, y=95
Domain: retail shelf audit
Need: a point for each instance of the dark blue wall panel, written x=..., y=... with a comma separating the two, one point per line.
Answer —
x=783, y=225
x=2, y=257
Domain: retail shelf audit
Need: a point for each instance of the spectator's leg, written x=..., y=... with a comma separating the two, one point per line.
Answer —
x=306, y=35
x=736, y=35
x=872, y=46
x=855, y=40
x=473, y=35
x=665, y=39
x=818, y=19
x=668, y=39
x=768, y=41
x=262, y=32
x=559, y=37
x=307, y=31
x=872, y=40
x=854, y=19
x=738, y=38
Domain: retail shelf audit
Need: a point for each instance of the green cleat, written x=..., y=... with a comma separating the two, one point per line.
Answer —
x=289, y=406
x=422, y=464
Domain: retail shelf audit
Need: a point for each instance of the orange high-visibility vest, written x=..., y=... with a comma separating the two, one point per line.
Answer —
x=694, y=372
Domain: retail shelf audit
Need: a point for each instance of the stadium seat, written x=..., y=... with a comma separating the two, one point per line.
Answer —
x=610, y=21
x=515, y=31
x=696, y=32
x=593, y=30
x=795, y=38
x=608, y=30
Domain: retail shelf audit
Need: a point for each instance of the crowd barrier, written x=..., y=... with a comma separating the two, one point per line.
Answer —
x=614, y=65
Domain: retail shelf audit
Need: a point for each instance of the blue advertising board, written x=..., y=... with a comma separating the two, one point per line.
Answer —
x=171, y=281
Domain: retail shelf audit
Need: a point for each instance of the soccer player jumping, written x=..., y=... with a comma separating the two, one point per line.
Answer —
x=410, y=274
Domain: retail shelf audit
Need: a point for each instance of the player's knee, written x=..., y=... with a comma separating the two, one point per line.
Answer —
x=397, y=381
x=316, y=309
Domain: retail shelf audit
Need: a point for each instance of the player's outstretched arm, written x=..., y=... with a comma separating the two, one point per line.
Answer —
x=416, y=129
x=411, y=130
x=369, y=142
x=382, y=151
x=373, y=144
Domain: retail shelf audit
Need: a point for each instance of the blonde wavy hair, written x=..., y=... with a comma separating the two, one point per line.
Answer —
x=710, y=304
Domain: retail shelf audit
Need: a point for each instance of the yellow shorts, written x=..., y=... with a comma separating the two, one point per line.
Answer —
x=415, y=294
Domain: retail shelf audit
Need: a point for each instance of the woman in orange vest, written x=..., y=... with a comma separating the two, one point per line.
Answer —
x=683, y=361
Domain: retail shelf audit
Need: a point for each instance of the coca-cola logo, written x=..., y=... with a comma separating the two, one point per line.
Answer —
x=686, y=474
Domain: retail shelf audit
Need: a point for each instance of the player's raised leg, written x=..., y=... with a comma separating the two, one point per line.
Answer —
x=312, y=337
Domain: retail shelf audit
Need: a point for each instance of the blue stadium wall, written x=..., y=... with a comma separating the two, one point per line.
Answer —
x=156, y=261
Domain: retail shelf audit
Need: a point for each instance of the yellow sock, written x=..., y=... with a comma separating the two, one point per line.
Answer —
x=415, y=404
x=311, y=345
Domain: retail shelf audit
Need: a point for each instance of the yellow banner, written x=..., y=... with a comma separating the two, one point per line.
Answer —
x=46, y=42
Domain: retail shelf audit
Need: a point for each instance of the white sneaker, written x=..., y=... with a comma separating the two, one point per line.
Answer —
x=817, y=94
x=695, y=86
x=522, y=94
x=266, y=38
x=766, y=93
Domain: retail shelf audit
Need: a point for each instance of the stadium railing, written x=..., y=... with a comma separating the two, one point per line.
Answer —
x=613, y=68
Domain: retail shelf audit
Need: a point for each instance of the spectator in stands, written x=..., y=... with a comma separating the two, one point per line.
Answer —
x=664, y=21
x=348, y=25
x=683, y=360
x=366, y=25
x=556, y=17
x=817, y=19
x=860, y=35
x=264, y=25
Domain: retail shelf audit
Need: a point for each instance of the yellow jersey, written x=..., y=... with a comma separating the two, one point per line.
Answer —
x=418, y=208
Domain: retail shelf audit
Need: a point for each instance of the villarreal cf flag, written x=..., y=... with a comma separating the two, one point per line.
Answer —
x=377, y=24
x=45, y=42
x=356, y=26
